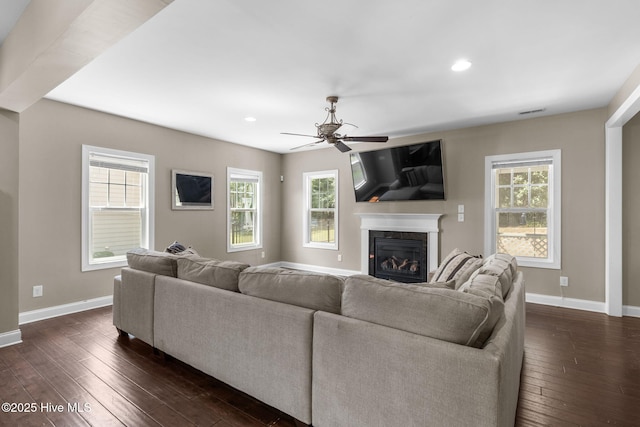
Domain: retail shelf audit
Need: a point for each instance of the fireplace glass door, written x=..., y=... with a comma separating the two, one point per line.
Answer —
x=402, y=260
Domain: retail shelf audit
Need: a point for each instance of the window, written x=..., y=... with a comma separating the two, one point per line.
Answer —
x=321, y=209
x=522, y=203
x=358, y=172
x=244, y=218
x=117, y=201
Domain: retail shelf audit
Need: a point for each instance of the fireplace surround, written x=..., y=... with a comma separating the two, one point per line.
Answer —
x=401, y=223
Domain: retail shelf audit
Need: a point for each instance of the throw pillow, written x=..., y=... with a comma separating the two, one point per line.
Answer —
x=178, y=248
x=488, y=284
x=458, y=266
x=175, y=248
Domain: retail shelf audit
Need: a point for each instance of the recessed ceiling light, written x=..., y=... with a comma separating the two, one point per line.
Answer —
x=461, y=65
x=250, y=119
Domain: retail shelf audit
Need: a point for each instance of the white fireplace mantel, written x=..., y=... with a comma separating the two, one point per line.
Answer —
x=419, y=223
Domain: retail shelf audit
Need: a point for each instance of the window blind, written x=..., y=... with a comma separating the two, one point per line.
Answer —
x=522, y=163
x=120, y=163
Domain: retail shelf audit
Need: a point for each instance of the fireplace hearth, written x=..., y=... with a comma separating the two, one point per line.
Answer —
x=399, y=256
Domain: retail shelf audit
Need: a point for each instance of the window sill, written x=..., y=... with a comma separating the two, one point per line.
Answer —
x=243, y=248
x=549, y=265
x=104, y=265
x=330, y=246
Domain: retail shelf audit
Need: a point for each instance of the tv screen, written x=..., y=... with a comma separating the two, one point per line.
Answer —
x=410, y=172
x=192, y=190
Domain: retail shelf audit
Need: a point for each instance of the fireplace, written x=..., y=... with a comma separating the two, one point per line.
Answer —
x=399, y=256
x=404, y=226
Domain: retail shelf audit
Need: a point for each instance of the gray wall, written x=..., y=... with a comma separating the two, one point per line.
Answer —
x=52, y=134
x=579, y=135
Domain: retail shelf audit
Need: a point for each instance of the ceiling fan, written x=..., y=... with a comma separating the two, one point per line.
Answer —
x=327, y=131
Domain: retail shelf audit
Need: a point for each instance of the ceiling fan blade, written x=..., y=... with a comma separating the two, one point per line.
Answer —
x=298, y=134
x=311, y=144
x=342, y=146
x=366, y=138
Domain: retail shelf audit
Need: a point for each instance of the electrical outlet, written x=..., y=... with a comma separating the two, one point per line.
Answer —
x=564, y=281
x=37, y=291
x=262, y=254
x=339, y=257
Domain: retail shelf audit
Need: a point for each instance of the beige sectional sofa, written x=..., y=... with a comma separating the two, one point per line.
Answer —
x=332, y=351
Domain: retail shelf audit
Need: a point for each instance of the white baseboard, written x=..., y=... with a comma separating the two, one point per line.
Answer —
x=631, y=311
x=576, y=304
x=10, y=338
x=15, y=337
x=61, y=310
x=579, y=304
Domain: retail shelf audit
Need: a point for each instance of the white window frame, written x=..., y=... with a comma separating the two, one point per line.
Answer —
x=148, y=222
x=233, y=173
x=308, y=177
x=553, y=261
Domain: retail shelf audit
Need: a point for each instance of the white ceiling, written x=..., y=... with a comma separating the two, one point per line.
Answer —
x=202, y=66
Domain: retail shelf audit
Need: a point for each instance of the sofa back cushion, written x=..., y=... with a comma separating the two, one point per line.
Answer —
x=211, y=272
x=437, y=312
x=162, y=263
x=304, y=289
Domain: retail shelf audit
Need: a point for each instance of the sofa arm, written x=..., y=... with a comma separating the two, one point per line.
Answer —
x=370, y=375
x=133, y=303
x=117, y=296
x=373, y=375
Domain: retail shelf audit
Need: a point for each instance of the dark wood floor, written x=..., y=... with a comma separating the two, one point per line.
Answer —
x=580, y=368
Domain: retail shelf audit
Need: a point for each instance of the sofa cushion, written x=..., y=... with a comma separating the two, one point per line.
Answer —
x=504, y=267
x=486, y=284
x=458, y=266
x=445, y=314
x=513, y=262
x=211, y=272
x=502, y=272
x=305, y=289
x=151, y=261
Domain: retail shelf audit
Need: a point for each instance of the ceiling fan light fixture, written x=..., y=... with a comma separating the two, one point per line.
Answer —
x=327, y=131
x=461, y=65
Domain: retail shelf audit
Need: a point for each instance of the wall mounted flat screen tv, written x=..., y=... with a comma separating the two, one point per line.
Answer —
x=192, y=190
x=410, y=172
